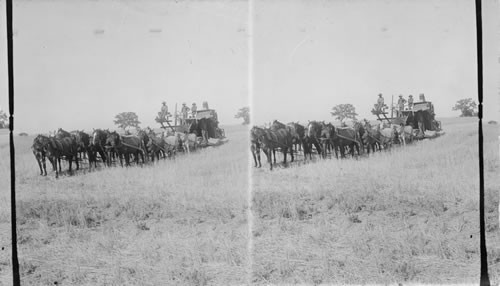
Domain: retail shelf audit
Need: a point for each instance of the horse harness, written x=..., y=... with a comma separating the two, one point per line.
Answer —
x=153, y=142
x=131, y=146
x=344, y=137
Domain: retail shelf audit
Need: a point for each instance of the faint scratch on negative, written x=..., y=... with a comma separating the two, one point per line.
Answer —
x=296, y=47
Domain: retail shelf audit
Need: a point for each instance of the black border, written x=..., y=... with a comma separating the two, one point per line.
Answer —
x=479, y=37
x=10, y=63
x=482, y=235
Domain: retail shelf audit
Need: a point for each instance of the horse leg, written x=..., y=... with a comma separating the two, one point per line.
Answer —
x=270, y=159
x=254, y=158
x=39, y=161
x=77, y=162
x=258, y=157
x=44, y=166
x=55, y=161
x=70, y=163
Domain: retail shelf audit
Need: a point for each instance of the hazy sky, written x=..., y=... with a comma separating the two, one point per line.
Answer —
x=79, y=63
x=312, y=55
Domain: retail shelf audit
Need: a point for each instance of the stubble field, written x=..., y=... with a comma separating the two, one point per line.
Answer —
x=406, y=215
x=411, y=214
x=181, y=222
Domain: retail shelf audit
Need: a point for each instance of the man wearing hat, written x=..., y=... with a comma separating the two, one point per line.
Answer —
x=380, y=102
x=193, y=110
x=184, y=113
x=410, y=102
x=401, y=105
x=163, y=114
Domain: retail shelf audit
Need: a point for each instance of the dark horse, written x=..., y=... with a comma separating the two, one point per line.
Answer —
x=98, y=145
x=298, y=134
x=39, y=149
x=285, y=138
x=84, y=141
x=144, y=136
x=346, y=137
x=62, y=146
x=255, y=146
x=313, y=134
x=261, y=135
x=124, y=146
x=203, y=128
x=360, y=129
x=326, y=138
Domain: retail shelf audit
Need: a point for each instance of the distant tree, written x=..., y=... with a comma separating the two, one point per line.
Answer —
x=467, y=106
x=125, y=120
x=244, y=113
x=4, y=119
x=344, y=111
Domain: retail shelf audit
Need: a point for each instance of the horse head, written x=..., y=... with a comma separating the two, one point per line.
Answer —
x=325, y=131
x=113, y=139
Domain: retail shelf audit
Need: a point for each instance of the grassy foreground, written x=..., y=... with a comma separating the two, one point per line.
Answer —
x=181, y=222
x=408, y=215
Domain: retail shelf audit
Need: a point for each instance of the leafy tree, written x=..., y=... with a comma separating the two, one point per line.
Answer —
x=467, y=106
x=245, y=114
x=4, y=119
x=125, y=120
x=343, y=111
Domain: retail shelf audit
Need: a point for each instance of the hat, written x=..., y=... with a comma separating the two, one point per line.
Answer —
x=411, y=95
x=163, y=102
x=183, y=103
x=379, y=94
x=194, y=103
x=400, y=95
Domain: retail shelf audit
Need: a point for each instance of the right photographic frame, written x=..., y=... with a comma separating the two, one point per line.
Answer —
x=365, y=143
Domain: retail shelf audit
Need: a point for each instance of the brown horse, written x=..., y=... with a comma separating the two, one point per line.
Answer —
x=313, y=135
x=255, y=147
x=84, y=141
x=62, y=147
x=326, y=139
x=284, y=135
x=39, y=149
x=124, y=146
x=346, y=137
x=98, y=144
x=265, y=138
x=298, y=133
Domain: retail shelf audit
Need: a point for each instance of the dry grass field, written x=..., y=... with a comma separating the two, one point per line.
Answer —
x=408, y=215
x=181, y=222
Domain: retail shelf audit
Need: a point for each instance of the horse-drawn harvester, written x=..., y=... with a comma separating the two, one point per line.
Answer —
x=203, y=123
x=420, y=116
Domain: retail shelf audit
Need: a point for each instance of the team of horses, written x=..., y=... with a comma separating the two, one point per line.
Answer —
x=324, y=138
x=107, y=146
